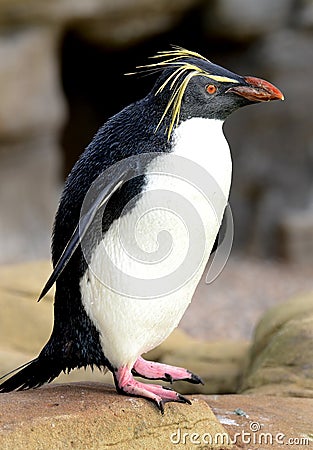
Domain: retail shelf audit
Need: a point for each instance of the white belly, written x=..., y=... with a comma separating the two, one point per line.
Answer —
x=143, y=274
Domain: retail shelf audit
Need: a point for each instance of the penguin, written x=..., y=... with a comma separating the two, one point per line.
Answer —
x=155, y=155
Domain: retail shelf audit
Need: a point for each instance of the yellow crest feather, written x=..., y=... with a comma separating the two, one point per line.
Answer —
x=179, y=79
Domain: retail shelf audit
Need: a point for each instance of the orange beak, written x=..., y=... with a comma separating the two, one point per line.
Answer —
x=257, y=90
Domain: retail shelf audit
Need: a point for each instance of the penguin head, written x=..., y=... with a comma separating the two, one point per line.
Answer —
x=221, y=92
x=192, y=86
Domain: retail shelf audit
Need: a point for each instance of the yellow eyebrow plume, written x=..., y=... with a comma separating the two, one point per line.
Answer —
x=222, y=79
x=178, y=80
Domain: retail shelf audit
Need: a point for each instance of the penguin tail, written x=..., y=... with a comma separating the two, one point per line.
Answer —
x=30, y=375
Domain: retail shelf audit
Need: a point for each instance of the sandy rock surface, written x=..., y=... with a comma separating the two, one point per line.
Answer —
x=277, y=361
x=281, y=357
x=90, y=415
x=265, y=422
x=94, y=416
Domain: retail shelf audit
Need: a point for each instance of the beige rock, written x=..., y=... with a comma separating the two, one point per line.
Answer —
x=25, y=325
x=26, y=279
x=244, y=19
x=31, y=97
x=282, y=354
x=93, y=416
x=266, y=422
x=297, y=236
x=32, y=110
x=277, y=316
x=29, y=191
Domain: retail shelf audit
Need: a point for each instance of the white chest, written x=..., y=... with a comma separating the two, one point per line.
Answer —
x=203, y=142
x=144, y=273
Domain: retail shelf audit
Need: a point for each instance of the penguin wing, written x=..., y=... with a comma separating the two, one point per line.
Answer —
x=81, y=228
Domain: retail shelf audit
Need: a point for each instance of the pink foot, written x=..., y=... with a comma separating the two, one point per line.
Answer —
x=126, y=384
x=158, y=371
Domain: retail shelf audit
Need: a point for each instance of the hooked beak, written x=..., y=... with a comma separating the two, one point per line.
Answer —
x=257, y=90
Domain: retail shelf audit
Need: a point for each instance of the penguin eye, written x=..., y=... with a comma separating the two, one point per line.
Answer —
x=211, y=89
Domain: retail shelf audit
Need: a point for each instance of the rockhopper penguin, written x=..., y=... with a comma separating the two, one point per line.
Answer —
x=112, y=306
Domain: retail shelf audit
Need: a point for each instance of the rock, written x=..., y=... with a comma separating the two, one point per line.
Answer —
x=26, y=279
x=94, y=416
x=108, y=23
x=123, y=26
x=31, y=97
x=58, y=12
x=32, y=110
x=10, y=359
x=273, y=166
x=264, y=422
x=296, y=231
x=25, y=325
x=281, y=356
x=243, y=19
x=89, y=415
x=273, y=320
x=29, y=191
x=304, y=14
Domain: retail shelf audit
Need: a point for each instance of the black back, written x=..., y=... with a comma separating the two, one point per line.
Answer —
x=75, y=339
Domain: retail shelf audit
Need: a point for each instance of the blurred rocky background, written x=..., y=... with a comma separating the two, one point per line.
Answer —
x=61, y=77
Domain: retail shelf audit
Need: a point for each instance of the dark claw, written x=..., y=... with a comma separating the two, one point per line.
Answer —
x=160, y=405
x=136, y=374
x=168, y=377
x=195, y=379
x=184, y=399
x=180, y=399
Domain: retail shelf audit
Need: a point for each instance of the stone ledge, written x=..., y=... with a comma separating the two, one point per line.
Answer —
x=94, y=416
x=268, y=423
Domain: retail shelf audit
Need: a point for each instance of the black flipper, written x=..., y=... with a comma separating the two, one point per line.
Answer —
x=31, y=375
x=82, y=227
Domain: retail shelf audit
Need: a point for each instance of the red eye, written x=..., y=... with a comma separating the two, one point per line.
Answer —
x=211, y=89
